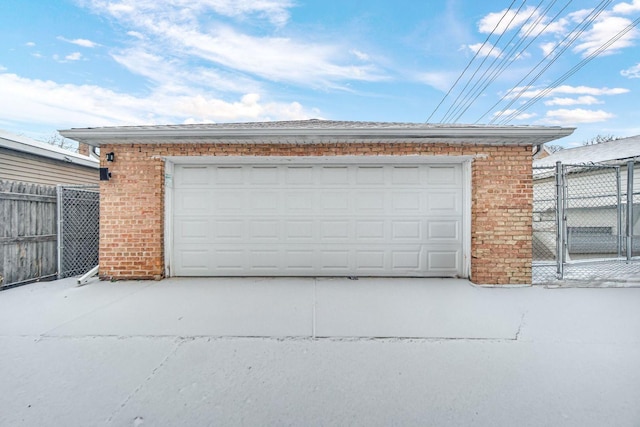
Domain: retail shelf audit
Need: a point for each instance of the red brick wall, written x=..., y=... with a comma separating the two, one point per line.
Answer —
x=132, y=202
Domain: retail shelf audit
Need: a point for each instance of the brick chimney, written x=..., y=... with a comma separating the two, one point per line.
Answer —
x=84, y=149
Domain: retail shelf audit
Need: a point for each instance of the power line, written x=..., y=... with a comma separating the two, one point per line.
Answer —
x=492, y=72
x=571, y=72
x=509, y=59
x=470, y=62
x=552, y=56
x=451, y=111
x=524, y=49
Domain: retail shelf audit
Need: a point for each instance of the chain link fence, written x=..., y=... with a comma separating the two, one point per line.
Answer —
x=583, y=225
x=78, y=229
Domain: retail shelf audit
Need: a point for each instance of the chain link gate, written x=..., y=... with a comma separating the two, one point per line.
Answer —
x=583, y=224
x=78, y=229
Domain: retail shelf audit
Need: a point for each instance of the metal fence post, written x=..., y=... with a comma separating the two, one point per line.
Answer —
x=559, y=220
x=619, y=210
x=59, y=190
x=629, y=234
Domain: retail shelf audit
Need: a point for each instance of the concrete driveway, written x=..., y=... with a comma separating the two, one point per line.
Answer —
x=318, y=352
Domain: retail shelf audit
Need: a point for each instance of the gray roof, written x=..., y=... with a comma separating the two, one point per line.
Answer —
x=311, y=131
x=611, y=152
x=27, y=145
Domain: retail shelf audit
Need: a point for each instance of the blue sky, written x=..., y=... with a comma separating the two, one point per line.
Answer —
x=83, y=63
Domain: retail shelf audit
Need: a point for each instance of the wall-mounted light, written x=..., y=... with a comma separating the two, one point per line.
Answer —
x=111, y=157
x=105, y=174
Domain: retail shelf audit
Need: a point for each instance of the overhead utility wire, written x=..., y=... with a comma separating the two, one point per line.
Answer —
x=469, y=64
x=510, y=57
x=533, y=39
x=451, y=111
x=563, y=46
x=571, y=72
x=505, y=60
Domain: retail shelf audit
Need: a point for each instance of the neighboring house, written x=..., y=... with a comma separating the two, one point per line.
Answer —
x=26, y=160
x=317, y=198
x=592, y=217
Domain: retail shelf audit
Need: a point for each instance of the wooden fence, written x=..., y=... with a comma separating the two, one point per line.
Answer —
x=28, y=248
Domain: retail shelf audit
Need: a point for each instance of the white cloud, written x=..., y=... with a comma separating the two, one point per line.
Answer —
x=172, y=75
x=75, y=56
x=632, y=72
x=136, y=34
x=627, y=8
x=181, y=27
x=360, y=55
x=485, y=50
x=531, y=21
x=67, y=105
x=602, y=31
x=506, y=113
x=501, y=22
x=275, y=11
x=2, y=68
x=30, y=44
x=572, y=117
x=547, y=48
x=570, y=90
x=80, y=42
x=581, y=100
x=439, y=80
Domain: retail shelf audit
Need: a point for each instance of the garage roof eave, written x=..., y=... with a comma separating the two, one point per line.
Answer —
x=485, y=135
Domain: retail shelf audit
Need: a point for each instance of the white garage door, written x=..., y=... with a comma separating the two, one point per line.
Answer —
x=318, y=220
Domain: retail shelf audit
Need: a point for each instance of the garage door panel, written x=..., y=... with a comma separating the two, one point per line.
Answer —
x=299, y=175
x=193, y=201
x=408, y=230
x=402, y=260
x=299, y=201
x=334, y=175
x=288, y=220
x=441, y=202
x=443, y=261
x=334, y=229
x=264, y=175
x=264, y=230
x=444, y=230
x=444, y=175
x=194, y=175
x=300, y=231
x=229, y=175
x=193, y=230
x=226, y=201
x=408, y=201
x=406, y=175
x=334, y=201
x=264, y=201
x=370, y=175
x=229, y=230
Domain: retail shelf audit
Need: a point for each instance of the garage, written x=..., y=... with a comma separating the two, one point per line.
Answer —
x=318, y=217
x=316, y=198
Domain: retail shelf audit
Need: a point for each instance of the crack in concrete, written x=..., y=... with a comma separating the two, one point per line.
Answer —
x=146, y=380
x=299, y=338
x=520, y=326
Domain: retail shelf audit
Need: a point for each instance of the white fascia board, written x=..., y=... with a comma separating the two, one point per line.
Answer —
x=487, y=135
x=302, y=160
x=36, y=148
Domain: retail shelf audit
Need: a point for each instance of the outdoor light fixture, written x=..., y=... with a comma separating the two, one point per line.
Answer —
x=111, y=157
x=105, y=174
